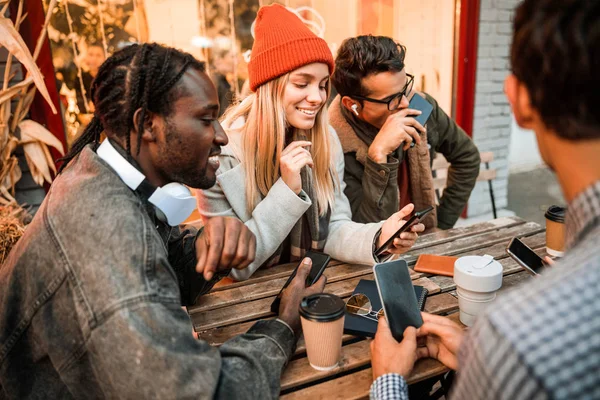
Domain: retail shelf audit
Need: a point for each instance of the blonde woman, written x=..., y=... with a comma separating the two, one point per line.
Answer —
x=282, y=171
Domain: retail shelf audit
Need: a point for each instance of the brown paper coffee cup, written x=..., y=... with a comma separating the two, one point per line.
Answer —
x=322, y=318
x=555, y=231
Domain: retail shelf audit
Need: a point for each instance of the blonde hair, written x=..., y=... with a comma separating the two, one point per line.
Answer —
x=263, y=140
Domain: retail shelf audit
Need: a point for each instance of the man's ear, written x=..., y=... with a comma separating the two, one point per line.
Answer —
x=150, y=124
x=351, y=105
x=520, y=102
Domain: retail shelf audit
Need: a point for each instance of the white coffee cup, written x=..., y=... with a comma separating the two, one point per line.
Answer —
x=477, y=279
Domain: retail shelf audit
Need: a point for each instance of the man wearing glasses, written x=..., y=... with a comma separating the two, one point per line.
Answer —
x=387, y=153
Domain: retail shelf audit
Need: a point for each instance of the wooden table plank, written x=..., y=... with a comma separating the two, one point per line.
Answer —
x=438, y=304
x=231, y=295
x=261, y=308
x=436, y=238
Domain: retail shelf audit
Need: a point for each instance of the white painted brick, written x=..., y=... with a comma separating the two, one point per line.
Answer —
x=501, y=63
x=506, y=4
x=485, y=28
x=485, y=64
x=482, y=99
x=502, y=40
x=503, y=15
x=499, y=76
x=504, y=27
x=487, y=39
x=499, y=122
x=489, y=14
x=486, y=87
x=500, y=51
x=484, y=52
x=499, y=99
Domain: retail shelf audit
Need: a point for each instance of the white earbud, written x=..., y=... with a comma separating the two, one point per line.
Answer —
x=354, y=109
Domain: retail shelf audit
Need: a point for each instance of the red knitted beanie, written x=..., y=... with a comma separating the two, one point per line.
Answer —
x=282, y=44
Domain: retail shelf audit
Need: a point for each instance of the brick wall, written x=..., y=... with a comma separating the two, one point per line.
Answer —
x=492, y=120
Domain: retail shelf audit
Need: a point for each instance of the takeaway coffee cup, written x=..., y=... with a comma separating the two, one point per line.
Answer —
x=477, y=279
x=322, y=318
x=555, y=231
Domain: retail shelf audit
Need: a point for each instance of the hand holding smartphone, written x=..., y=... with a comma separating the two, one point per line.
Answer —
x=397, y=296
x=319, y=263
x=417, y=102
x=414, y=219
x=525, y=256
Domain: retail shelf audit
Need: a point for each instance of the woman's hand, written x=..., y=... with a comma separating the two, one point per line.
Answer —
x=293, y=158
x=406, y=239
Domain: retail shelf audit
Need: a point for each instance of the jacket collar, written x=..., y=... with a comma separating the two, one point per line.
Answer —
x=351, y=143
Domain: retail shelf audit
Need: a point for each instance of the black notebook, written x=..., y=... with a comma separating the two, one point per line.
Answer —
x=362, y=326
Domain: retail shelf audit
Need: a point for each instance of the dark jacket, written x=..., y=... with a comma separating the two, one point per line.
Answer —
x=372, y=188
x=90, y=305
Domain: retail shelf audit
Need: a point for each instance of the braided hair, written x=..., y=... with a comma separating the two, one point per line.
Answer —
x=140, y=77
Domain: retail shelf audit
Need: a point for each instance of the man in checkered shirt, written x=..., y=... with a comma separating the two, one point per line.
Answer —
x=541, y=340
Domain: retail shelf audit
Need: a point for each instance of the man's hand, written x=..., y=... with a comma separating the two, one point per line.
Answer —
x=399, y=128
x=389, y=356
x=224, y=243
x=295, y=292
x=442, y=340
x=393, y=223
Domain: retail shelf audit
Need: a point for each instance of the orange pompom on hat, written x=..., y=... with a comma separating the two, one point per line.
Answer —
x=282, y=44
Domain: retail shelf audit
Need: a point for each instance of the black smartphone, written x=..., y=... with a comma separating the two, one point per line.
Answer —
x=525, y=257
x=397, y=296
x=319, y=263
x=414, y=219
x=417, y=102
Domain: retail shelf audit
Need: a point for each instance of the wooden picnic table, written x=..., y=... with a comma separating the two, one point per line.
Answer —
x=231, y=308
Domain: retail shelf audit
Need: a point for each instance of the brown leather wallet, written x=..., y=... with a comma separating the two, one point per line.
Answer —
x=438, y=265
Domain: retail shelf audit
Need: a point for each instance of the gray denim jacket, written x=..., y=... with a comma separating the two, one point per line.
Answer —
x=90, y=305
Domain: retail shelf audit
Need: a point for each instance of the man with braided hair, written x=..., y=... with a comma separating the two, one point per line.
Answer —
x=90, y=298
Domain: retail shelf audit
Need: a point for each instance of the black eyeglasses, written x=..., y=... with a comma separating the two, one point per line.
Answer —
x=395, y=99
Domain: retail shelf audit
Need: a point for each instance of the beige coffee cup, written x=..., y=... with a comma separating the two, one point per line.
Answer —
x=322, y=318
x=555, y=231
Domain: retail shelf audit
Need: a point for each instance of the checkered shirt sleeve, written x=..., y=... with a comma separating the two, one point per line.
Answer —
x=389, y=387
x=541, y=340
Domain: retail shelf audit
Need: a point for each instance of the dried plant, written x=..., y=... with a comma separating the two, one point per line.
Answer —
x=12, y=226
x=14, y=105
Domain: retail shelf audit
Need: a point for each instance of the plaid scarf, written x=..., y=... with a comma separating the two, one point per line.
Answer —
x=310, y=231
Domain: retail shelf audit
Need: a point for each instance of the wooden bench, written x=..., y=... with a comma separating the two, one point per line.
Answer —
x=439, y=168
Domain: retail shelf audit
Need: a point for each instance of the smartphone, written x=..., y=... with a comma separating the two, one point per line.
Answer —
x=414, y=219
x=319, y=263
x=525, y=257
x=397, y=296
x=419, y=103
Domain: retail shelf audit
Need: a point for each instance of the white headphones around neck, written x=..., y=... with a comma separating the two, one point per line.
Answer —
x=174, y=202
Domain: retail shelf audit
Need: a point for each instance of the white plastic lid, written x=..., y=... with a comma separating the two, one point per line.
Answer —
x=478, y=273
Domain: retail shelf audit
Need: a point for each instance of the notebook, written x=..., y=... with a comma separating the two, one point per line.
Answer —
x=361, y=326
